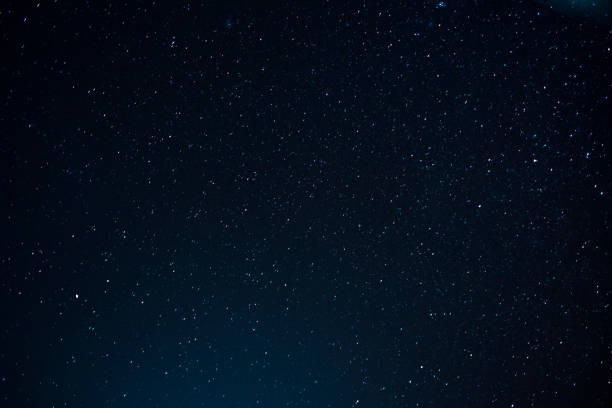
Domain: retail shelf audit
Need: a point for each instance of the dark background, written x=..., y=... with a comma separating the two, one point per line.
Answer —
x=325, y=204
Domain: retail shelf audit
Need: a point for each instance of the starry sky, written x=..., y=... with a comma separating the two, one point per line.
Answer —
x=315, y=203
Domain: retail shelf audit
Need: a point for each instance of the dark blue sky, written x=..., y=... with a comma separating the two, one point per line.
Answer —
x=310, y=204
x=597, y=10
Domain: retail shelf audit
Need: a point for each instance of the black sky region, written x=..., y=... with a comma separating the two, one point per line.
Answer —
x=316, y=203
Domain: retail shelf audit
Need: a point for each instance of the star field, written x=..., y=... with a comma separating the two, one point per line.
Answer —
x=305, y=204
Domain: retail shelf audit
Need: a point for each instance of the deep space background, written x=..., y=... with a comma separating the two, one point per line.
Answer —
x=305, y=204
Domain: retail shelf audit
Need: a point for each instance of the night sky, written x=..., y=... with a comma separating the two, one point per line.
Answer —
x=273, y=204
